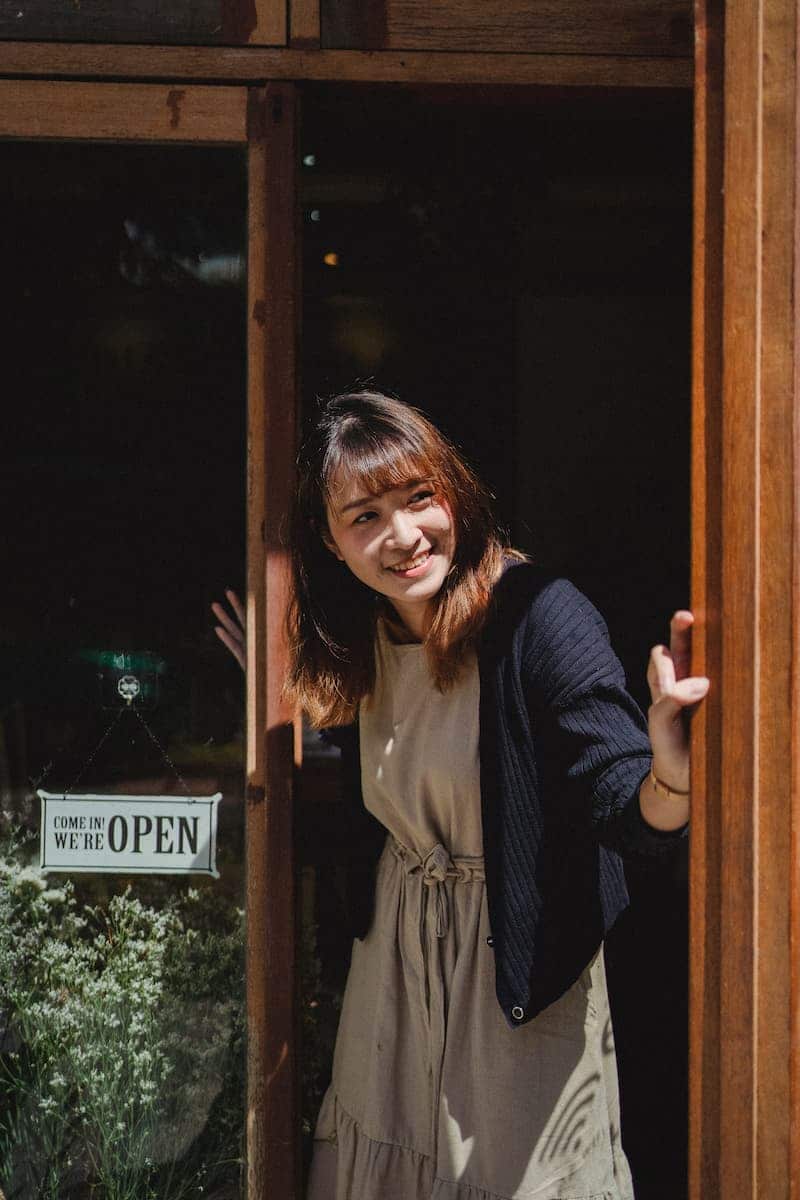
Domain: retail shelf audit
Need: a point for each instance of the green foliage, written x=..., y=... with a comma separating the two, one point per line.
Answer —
x=121, y=1044
x=122, y=1041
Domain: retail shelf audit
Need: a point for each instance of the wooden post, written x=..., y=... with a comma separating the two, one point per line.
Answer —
x=744, y=1127
x=272, y=1126
x=705, y=867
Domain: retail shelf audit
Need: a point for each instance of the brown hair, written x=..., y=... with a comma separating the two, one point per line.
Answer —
x=333, y=615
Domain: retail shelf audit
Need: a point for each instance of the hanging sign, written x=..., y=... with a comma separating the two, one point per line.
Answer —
x=149, y=835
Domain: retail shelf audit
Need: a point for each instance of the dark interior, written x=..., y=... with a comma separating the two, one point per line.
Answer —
x=517, y=263
x=122, y=484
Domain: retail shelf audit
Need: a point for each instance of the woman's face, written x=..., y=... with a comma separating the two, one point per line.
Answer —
x=399, y=543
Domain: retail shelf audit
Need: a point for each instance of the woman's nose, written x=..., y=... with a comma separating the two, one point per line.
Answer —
x=403, y=532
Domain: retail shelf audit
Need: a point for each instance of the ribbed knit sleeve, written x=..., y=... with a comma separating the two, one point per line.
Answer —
x=590, y=736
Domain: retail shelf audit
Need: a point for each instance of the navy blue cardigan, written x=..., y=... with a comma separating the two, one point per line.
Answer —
x=563, y=752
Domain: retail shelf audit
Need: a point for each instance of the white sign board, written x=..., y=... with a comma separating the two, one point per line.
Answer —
x=155, y=835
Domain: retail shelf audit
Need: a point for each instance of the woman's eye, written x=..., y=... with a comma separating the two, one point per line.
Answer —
x=363, y=517
x=421, y=496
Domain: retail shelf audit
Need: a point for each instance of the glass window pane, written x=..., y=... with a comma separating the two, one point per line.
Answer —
x=122, y=484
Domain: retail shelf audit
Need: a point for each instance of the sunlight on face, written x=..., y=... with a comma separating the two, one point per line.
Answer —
x=399, y=543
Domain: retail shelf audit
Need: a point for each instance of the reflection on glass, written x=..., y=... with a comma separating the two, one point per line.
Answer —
x=121, y=993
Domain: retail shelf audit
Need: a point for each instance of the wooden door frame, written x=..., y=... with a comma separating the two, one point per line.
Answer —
x=745, y=891
x=123, y=112
x=273, y=1137
x=263, y=121
x=251, y=65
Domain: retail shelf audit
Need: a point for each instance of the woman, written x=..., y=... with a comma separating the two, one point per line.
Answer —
x=507, y=767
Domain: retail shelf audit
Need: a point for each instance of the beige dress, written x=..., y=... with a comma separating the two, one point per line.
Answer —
x=433, y=1096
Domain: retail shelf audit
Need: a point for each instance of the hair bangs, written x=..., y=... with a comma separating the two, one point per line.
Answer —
x=377, y=463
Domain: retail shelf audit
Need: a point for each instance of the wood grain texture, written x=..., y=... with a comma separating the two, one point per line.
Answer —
x=651, y=27
x=122, y=111
x=271, y=26
x=741, y=469
x=705, y=846
x=272, y=1128
x=746, y=1110
x=304, y=24
x=251, y=64
x=779, y=609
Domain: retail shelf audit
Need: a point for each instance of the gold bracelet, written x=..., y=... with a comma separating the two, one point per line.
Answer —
x=663, y=789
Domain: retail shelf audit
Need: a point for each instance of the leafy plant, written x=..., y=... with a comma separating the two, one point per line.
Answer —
x=121, y=1060
x=122, y=1041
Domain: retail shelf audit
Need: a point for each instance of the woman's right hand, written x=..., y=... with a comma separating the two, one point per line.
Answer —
x=231, y=628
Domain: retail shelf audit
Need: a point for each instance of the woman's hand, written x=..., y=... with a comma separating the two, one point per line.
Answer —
x=674, y=692
x=231, y=628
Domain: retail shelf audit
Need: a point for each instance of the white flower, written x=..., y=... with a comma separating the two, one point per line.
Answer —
x=30, y=877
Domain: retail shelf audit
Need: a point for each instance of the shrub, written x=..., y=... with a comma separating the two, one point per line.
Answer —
x=121, y=1043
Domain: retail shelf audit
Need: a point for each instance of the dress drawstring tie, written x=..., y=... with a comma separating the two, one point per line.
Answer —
x=436, y=867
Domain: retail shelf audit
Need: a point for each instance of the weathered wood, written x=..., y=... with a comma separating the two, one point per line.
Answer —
x=190, y=22
x=304, y=24
x=705, y=847
x=355, y=25
x=253, y=64
x=741, y=604
x=269, y=27
x=745, y=1101
x=120, y=111
x=779, y=609
x=652, y=27
x=272, y=1131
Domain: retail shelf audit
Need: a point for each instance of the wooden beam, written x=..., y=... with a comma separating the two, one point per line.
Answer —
x=650, y=27
x=272, y=1126
x=744, y=1106
x=250, y=64
x=122, y=111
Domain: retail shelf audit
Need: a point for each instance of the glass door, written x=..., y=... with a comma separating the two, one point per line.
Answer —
x=125, y=776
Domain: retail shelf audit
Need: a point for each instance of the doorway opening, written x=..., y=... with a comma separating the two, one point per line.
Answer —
x=516, y=262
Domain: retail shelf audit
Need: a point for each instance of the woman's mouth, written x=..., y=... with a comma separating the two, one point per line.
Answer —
x=411, y=567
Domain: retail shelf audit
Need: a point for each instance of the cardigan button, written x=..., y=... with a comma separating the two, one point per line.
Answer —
x=490, y=940
x=517, y=1012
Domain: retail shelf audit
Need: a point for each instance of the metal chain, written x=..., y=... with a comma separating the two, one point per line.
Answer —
x=93, y=755
x=162, y=750
x=130, y=707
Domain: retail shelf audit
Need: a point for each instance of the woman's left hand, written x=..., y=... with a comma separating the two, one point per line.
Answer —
x=231, y=628
x=674, y=692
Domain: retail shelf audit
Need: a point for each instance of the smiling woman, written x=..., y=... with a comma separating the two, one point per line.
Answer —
x=381, y=488
x=500, y=768
x=400, y=543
